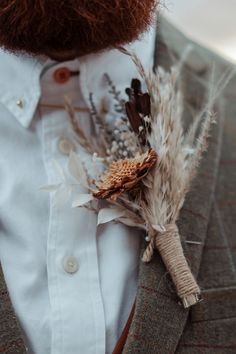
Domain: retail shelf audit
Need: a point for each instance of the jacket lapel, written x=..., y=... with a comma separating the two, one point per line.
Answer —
x=159, y=319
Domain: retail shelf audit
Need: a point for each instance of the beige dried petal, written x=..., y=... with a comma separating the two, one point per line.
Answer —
x=123, y=175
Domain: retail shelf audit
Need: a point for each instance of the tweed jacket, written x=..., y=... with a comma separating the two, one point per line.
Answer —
x=160, y=325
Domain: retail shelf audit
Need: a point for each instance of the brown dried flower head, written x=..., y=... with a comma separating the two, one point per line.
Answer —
x=123, y=175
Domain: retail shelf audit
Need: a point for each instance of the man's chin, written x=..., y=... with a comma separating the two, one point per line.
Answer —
x=62, y=55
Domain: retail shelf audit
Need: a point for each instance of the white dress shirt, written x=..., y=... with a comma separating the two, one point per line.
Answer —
x=72, y=284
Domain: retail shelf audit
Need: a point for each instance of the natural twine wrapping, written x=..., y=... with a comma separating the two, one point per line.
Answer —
x=169, y=245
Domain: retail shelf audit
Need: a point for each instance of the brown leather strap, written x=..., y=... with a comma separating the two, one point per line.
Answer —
x=121, y=342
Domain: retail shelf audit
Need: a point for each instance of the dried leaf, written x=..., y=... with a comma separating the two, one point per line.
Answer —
x=62, y=196
x=108, y=214
x=132, y=223
x=59, y=169
x=77, y=169
x=50, y=187
x=81, y=200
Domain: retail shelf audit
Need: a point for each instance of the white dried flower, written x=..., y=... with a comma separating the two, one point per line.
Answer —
x=140, y=128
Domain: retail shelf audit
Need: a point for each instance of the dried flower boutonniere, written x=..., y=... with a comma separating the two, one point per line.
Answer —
x=147, y=164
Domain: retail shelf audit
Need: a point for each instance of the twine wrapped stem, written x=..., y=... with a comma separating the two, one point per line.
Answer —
x=169, y=246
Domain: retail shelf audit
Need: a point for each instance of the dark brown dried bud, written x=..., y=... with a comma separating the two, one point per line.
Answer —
x=138, y=107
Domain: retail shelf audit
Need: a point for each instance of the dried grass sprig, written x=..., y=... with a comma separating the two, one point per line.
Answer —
x=119, y=102
x=83, y=140
x=101, y=127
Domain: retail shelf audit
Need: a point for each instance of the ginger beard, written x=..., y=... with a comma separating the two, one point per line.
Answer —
x=66, y=29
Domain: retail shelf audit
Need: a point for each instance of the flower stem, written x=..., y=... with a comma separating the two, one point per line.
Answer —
x=169, y=246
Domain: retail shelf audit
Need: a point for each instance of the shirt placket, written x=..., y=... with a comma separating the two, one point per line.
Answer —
x=77, y=314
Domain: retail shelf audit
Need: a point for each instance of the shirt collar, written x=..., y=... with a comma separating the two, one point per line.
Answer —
x=20, y=88
x=19, y=85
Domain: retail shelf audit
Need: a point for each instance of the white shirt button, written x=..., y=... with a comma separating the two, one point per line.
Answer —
x=70, y=264
x=65, y=146
x=20, y=103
